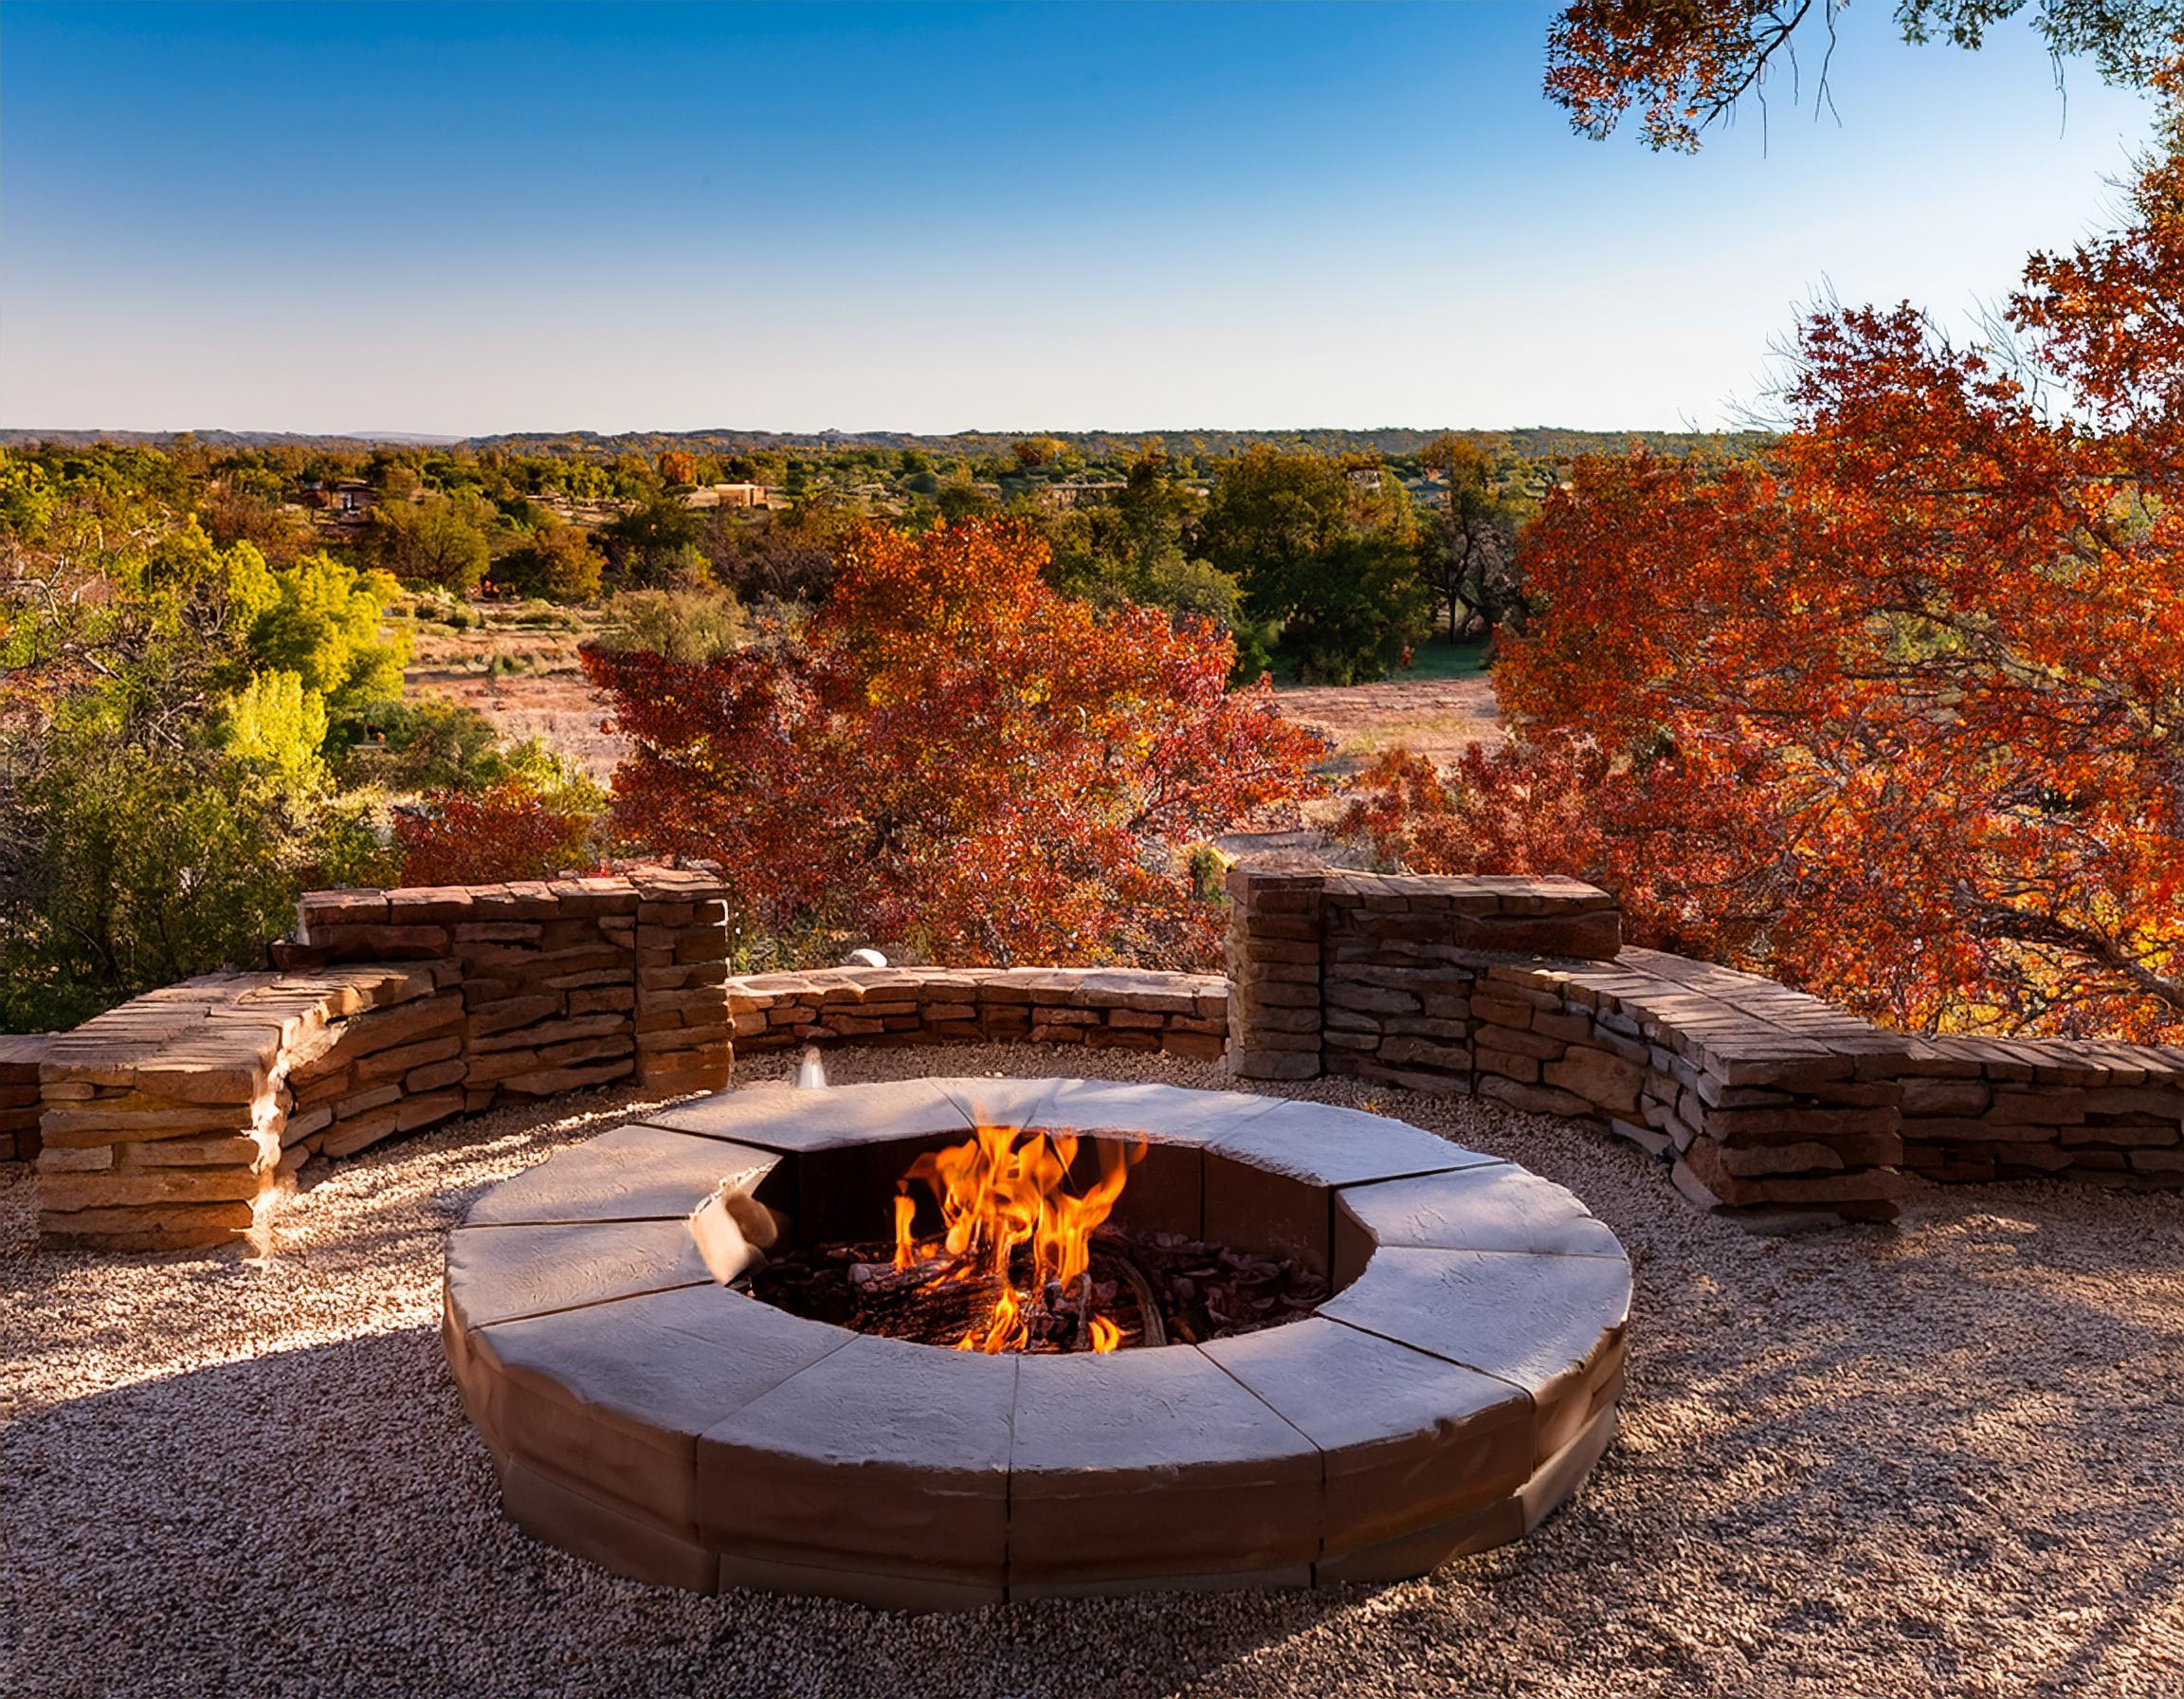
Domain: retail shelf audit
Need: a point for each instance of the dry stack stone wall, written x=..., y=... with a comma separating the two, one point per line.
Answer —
x=1769, y=1104
x=20, y=1060
x=168, y=1120
x=1275, y=1030
x=1983, y=1108
x=1765, y=1101
x=176, y=1119
x=1403, y=958
x=1100, y=1009
x=560, y=984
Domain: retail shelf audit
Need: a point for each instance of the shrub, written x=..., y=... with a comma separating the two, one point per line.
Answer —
x=532, y=824
x=955, y=756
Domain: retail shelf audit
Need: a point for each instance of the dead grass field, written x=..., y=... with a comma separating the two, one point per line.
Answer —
x=519, y=670
x=538, y=690
x=1440, y=717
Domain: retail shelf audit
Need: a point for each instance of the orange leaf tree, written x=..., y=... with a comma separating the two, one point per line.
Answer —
x=507, y=829
x=1894, y=710
x=1683, y=65
x=954, y=755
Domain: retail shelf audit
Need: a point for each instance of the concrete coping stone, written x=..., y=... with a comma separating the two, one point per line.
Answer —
x=676, y=1430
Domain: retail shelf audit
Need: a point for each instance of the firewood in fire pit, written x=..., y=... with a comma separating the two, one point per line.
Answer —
x=1151, y=1288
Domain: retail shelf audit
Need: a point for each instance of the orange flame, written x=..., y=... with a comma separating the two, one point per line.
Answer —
x=999, y=1196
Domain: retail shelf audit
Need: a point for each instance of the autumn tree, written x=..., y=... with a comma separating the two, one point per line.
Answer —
x=537, y=818
x=1684, y=64
x=954, y=756
x=1895, y=709
x=762, y=555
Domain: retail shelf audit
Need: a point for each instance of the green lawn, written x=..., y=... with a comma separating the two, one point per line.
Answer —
x=1433, y=661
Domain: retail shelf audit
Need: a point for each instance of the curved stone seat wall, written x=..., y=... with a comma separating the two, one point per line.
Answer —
x=176, y=1119
x=173, y=1120
x=1100, y=1009
x=21, y=1057
x=1983, y=1108
x=1765, y=1102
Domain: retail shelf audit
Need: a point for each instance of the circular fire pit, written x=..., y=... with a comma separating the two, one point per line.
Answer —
x=1456, y=1386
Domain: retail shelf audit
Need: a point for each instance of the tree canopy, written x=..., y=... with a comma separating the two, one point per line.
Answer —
x=1329, y=556
x=1895, y=709
x=1682, y=65
x=954, y=755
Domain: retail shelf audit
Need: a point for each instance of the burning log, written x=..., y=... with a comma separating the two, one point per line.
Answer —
x=1022, y=1263
x=877, y=1282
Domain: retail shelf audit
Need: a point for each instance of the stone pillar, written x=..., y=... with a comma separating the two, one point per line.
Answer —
x=1274, y=1014
x=685, y=1034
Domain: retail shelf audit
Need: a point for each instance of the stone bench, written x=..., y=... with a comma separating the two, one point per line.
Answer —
x=179, y=1119
x=1769, y=1104
x=21, y=1057
x=1097, y=1009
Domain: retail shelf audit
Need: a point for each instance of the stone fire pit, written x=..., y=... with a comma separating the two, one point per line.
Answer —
x=1456, y=1387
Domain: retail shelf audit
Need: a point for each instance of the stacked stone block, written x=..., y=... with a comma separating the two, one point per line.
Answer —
x=1986, y=1108
x=1275, y=1029
x=392, y=1067
x=683, y=1025
x=19, y=1059
x=543, y=973
x=1402, y=958
x=1098, y=1009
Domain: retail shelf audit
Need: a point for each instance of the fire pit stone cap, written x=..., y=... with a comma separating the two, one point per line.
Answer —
x=1449, y=1398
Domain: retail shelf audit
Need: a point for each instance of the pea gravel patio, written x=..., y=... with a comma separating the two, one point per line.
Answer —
x=1943, y=1460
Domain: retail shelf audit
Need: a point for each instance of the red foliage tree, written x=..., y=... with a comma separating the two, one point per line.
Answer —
x=1896, y=709
x=506, y=830
x=1683, y=65
x=955, y=756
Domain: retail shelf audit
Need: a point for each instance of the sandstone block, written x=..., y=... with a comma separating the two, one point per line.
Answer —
x=1609, y=1082
x=1537, y=1100
x=147, y=1188
x=1257, y=1063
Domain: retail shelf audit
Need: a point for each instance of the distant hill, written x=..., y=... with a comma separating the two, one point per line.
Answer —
x=1545, y=442
x=1542, y=441
x=220, y=439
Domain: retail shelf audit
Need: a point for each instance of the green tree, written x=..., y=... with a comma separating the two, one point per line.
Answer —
x=435, y=540
x=1331, y=559
x=654, y=546
x=554, y=560
x=163, y=727
x=326, y=623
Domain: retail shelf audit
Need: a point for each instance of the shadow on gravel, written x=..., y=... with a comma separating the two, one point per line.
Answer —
x=324, y=1520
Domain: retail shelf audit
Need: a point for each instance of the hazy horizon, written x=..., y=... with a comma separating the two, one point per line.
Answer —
x=8, y=428
x=287, y=219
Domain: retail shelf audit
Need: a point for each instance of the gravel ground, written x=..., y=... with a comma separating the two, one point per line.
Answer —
x=1941, y=1460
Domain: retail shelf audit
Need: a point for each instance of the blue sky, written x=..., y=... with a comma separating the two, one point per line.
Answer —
x=464, y=219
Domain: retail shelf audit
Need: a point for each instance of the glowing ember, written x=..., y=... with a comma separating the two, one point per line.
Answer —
x=1005, y=1218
